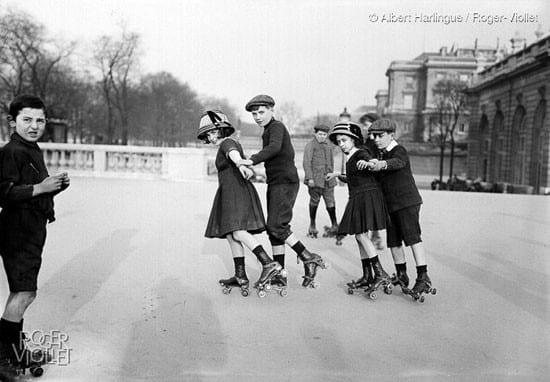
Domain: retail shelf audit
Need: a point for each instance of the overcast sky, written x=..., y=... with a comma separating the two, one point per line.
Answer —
x=321, y=54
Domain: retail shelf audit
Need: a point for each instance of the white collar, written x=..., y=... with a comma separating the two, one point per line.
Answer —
x=392, y=144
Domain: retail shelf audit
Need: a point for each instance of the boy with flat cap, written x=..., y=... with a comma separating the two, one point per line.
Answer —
x=318, y=162
x=403, y=201
x=282, y=181
x=26, y=198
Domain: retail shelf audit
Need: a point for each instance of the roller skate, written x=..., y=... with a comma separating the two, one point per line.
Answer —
x=312, y=231
x=279, y=284
x=421, y=288
x=362, y=283
x=311, y=262
x=381, y=280
x=331, y=231
x=235, y=282
x=33, y=360
x=400, y=278
x=269, y=270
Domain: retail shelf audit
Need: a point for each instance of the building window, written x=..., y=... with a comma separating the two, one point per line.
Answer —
x=408, y=101
x=461, y=128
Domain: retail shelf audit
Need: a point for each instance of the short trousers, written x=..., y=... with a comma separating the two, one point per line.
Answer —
x=315, y=194
x=22, y=239
x=404, y=227
x=280, y=203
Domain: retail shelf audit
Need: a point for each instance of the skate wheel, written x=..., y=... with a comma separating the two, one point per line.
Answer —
x=36, y=371
x=338, y=242
x=434, y=291
x=244, y=292
x=350, y=291
x=283, y=292
x=267, y=287
x=315, y=285
x=421, y=299
x=261, y=293
x=373, y=295
x=226, y=290
x=326, y=266
x=388, y=289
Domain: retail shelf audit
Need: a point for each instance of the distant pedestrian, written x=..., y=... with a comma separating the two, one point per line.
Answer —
x=277, y=155
x=318, y=161
x=26, y=198
x=236, y=213
x=403, y=201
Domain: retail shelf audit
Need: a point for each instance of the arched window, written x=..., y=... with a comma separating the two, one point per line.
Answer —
x=497, y=153
x=540, y=139
x=484, y=139
x=518, y=148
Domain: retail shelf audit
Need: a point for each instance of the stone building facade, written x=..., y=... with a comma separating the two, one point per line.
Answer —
x=410, y=100
x=509, y=136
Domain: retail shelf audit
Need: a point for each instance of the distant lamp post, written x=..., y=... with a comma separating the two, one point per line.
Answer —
x=344, y=116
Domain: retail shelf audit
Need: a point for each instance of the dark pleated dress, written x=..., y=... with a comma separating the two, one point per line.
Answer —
x=236, y=205
x=366, y=209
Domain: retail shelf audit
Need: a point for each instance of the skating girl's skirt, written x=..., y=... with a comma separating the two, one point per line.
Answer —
x=235, y=207
x=365, y=211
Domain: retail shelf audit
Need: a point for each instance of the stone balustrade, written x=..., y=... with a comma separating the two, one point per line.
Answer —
x=127, y=161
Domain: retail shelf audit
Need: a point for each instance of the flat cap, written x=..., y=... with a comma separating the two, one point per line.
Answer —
x=382, y=125
x=260, y=100
x=324, y=128
x=369, y=117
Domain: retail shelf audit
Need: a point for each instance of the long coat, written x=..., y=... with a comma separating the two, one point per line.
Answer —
x=318, y=162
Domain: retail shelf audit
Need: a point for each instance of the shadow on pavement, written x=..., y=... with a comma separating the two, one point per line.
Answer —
x=178, y=339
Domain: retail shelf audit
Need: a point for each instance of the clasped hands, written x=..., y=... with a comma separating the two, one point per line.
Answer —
x=372, y=165
x=244, y=166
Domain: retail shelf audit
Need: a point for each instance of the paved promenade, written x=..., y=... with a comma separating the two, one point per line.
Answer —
x=129, y=277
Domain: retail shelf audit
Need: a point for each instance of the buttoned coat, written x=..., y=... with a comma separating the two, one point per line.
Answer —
x=318, y=162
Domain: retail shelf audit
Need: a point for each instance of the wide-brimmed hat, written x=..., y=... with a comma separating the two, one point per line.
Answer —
x=212, y=120
x=348, y=128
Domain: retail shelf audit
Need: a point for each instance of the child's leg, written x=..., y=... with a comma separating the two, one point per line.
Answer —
x=270, y=268
x=310, y=260
x=237, y=251
x=419, y=254
x=366, y=280
x=379, y=272
x=17, y=304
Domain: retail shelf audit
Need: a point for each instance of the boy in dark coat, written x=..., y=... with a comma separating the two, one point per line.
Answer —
x=403, y=201
x=282, y=180
x=26, y=198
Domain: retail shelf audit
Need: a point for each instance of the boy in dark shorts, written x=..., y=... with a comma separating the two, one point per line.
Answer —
x=282, y=180
x=26, y=198
x=403, y=201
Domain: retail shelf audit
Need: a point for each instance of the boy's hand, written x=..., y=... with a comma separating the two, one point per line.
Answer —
x=65, y=180
x=50, y=184
x=310, y=183
x=244, y=162
x=362, y=164
x=330, y=176
x=377, y=165
x=246, y=172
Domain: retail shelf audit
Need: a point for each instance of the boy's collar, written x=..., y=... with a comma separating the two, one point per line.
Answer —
x=392, y=144
x=19, y=138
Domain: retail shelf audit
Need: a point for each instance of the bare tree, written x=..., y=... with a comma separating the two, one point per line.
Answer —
x=117, y=60
x=289, y=113
x=29, y=62
x=450, y=101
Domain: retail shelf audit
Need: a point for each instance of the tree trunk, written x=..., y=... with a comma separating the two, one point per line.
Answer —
x=441, y=161
x=452, y=157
